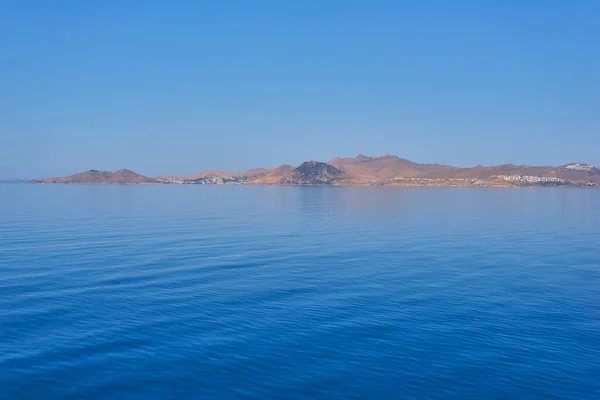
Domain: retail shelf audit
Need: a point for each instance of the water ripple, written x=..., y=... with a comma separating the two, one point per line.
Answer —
x=250, y=292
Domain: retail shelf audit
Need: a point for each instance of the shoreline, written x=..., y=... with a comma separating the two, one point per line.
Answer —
x=403, y=185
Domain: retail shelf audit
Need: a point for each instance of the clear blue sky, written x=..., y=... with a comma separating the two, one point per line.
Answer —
x=179, y=87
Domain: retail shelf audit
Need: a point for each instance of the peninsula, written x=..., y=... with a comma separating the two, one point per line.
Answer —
x=386, y=170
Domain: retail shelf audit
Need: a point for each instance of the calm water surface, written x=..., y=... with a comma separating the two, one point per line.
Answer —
x=235, y=292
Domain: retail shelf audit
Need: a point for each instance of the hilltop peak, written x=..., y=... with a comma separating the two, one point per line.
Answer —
x=313, y=173
x=125, y=171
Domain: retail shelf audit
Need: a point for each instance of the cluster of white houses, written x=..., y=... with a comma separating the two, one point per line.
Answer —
x=581, y=167
x=171, y=179
x=404, y=179
x=213, y=180
x=530, y=179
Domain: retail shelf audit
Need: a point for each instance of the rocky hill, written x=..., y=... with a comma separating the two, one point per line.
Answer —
x=313, y=173
x=122, y=176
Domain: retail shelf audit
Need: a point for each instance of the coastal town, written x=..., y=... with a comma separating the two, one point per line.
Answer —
x=538, y=180
x=213, y=180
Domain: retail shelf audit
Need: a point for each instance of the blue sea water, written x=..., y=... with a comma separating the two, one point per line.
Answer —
x=239, y=292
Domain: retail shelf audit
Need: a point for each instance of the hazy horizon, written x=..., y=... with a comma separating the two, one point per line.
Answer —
x=258, y=167
x=166, y=89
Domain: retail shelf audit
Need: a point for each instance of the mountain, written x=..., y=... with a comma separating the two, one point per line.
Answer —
x=313, y=173
x=122, y=176
x=391, y=170
x=561, y=172
x=387, y=167
x=361, y=170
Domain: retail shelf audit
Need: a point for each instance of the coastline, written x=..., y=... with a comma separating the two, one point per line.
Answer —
x=398, y=185
x=362, y=171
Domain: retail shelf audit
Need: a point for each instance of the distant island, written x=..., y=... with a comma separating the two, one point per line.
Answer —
x=386, y=170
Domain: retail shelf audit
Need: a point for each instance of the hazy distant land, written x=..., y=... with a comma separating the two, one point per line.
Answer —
x=387, y=170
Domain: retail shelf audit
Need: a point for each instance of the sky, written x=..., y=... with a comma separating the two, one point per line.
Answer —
x=180, y=87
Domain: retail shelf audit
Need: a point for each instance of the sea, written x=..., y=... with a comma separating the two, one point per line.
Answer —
x=258, y=292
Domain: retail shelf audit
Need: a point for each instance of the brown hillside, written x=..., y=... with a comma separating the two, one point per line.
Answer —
x=382, y=169
x=122, y=176
x=386, y=167
x=272, y=176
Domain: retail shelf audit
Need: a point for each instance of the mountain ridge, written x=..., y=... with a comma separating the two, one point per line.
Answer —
x=365, y=170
